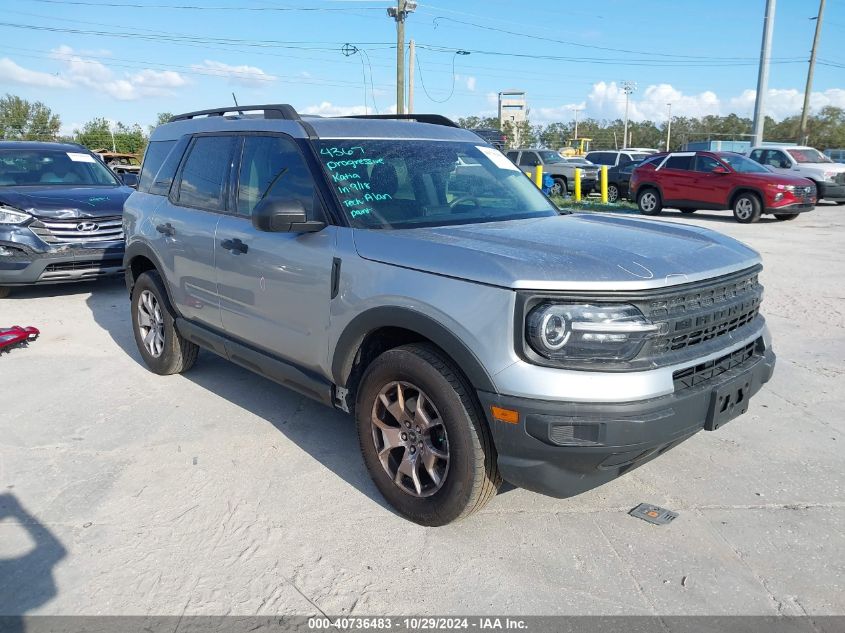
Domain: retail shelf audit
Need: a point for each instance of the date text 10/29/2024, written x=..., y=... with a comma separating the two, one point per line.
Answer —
x=416, y=623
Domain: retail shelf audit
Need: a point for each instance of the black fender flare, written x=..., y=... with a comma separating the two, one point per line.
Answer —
x=393, y=316
x=140, y=249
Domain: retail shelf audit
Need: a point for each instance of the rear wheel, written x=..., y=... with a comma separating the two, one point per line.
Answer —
x=163, y=349
x=559, y=188
x=612, y=193
x=785, y=217
x=649, y=202
x=747, y=208
x=5, y=291
x=423, y=439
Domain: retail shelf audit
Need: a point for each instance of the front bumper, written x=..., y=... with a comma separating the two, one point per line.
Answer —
x=831, y=190
x=27, y=266
x=565, y=448
x=797, y=207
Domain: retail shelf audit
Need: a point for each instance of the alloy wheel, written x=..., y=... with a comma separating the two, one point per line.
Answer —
x=612, y=193
x=648, y=202
x=410, y=439
x=744, y=208
x=151, y=323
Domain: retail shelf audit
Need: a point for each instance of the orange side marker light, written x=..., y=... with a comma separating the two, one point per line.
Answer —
x=508, y=416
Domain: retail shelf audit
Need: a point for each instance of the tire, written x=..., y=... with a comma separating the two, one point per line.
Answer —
x=559, y=188
x=786, y=217
x=687, y=211
x=747, y=208
x=5, y=291
x=456, y=447
x=165, y=351
x=840, y=202
x=612, y=193
x=648, y=200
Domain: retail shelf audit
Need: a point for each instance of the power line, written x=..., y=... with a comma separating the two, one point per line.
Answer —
x=452, y=91
x=191, y=7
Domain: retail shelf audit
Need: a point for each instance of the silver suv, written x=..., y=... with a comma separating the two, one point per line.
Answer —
x=408, y=273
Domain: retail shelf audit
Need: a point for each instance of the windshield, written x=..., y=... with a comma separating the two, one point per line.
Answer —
x=550, y=157
x=21, y=167
x=808, y=155
x=743, y=165
x=389, y=184
x=637, y=156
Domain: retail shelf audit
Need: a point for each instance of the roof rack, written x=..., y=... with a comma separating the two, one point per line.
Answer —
x=434, y=119
x=271, y=111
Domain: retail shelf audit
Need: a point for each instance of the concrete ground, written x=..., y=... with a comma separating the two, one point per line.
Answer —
x=218, y=492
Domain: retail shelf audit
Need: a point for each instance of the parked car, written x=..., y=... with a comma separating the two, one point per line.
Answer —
x=619, y=177
x=836, y=155
x=827, y=176
x=475, y=335
x=493, y=136
x=60, y=215
x=578, y=161
x=125, y=166
x=719, y=180
x=612, y=158
x=561, y=170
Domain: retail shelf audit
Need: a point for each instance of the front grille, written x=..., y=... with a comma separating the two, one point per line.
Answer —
x=92, y=264
x=691, y=376
x=79, y=230
x=706, y=312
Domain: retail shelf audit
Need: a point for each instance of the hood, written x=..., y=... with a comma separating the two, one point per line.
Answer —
x=568, y=252
x=66, y=202
x=779, y=179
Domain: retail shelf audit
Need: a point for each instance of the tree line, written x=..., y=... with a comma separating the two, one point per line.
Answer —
x=826, y=130
x=32, y=120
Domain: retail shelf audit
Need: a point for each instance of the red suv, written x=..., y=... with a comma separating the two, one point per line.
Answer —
x=690, y=181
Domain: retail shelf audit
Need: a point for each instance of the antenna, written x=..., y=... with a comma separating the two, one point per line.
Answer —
x=235, y=99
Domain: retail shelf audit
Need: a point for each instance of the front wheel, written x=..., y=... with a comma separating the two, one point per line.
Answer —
x=747, y=208
x=649, y=202
x=163, y=349
x=558, y=188
x=687, y=210
x=423, y=439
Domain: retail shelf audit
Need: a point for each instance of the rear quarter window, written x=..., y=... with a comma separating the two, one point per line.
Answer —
x=161, y=160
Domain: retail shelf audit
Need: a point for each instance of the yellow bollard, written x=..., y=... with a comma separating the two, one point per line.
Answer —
x=577, y=185
x=604, y=184
x=538, y=177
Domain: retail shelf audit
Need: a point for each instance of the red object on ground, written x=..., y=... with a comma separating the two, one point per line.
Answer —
x=17, y=335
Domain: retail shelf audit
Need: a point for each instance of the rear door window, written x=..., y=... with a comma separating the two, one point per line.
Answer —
x=528, y=159
x=206, y=172
x=679, y=162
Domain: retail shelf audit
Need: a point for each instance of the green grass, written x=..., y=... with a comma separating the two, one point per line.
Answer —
x=594, y=205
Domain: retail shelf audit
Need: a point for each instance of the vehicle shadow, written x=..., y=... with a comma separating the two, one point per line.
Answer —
x=327, y=435
x=26, y=581
x=66, y=289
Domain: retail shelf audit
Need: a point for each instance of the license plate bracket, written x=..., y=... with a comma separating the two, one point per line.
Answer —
x=728, y=401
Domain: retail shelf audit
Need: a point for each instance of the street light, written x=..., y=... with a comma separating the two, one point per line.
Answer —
x=629, y=87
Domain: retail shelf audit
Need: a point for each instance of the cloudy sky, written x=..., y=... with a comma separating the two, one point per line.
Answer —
x=127, y=60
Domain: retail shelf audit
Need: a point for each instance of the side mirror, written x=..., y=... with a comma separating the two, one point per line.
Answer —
x=719, y=170
x=130, y=179
x=283, y=215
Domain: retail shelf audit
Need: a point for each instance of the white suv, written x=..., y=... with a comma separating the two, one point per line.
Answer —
x=808, y=162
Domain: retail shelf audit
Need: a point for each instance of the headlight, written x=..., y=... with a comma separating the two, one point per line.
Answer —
x=12, y=216
x=830, y=175
x=588, y=332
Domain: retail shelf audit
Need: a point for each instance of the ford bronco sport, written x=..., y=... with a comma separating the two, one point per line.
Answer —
x=402, y=270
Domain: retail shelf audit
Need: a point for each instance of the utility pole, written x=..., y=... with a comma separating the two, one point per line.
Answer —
x=802, y=128
x=399, y=13
x=411, y=57
x=763, y=74
x=576, y=110
x=669, y=128
x=629, y=87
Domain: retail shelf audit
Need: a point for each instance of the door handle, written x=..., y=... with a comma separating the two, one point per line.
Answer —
x=235, y=245
x=166, y=229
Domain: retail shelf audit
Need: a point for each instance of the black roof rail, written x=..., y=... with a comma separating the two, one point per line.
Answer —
x=434, y=119
x=271, y=111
